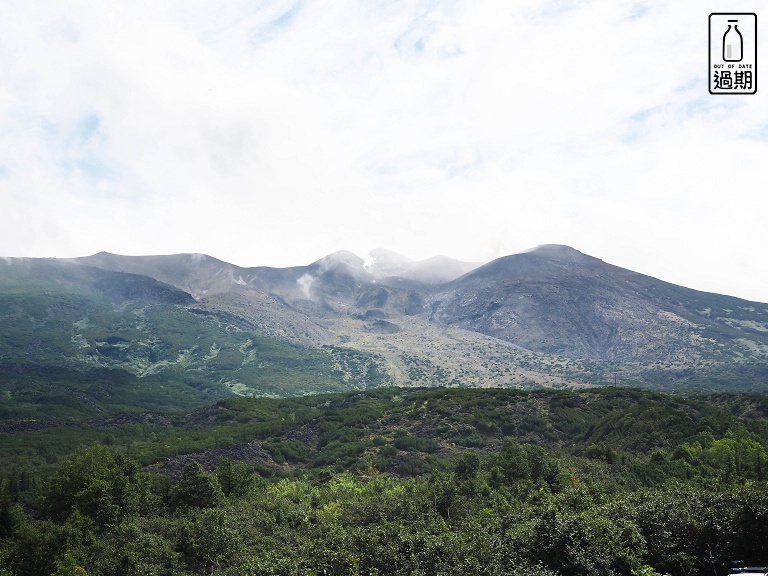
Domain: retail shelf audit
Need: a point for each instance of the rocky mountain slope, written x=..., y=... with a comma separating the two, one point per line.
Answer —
x=557, y=300
x=552, y=316
x=550, y=306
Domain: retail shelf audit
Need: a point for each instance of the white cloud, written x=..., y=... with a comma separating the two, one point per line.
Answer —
x=279, y=131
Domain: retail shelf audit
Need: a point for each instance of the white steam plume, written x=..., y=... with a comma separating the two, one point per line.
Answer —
x=305, y=283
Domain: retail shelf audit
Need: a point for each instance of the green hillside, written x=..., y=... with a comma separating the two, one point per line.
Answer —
x=394, y=481
x=77, y=341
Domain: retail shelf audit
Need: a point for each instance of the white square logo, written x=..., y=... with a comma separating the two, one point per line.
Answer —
x=732, y=53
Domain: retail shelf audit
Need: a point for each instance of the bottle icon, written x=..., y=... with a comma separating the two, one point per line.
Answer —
x=733, y=43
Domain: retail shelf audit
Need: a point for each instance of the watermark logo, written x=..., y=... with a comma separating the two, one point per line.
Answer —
x=733, y=53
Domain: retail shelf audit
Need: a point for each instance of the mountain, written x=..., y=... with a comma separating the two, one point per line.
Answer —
x=176, y=330
x=554, y=299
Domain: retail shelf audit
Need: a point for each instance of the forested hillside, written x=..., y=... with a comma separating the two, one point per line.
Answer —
x=394, y=481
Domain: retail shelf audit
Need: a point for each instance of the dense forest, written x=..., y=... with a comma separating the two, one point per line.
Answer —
x=394, y=481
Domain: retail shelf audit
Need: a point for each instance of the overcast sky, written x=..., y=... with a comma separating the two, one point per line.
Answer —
x=275, y=132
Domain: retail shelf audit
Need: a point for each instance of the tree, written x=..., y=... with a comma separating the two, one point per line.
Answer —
x=235, y=479
x=11, y=514
x=102, y=485
x=466, y=466
x=68, y=566
x=208, y=541
x=196, y=488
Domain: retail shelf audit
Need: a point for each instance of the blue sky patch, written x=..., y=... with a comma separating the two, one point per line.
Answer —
x=640, y=124
x=267, y=31
x=758, y=132
x=88, y=127
x=95, y=169
x=638, y=10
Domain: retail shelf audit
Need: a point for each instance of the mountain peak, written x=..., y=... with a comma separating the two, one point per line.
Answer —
x=555, y=250
x=561, y=253
x=340, y=258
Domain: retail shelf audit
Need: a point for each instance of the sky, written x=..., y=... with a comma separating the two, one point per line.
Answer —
x=276, y=132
